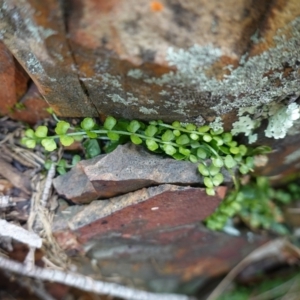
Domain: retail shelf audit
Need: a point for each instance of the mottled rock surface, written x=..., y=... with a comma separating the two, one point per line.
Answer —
x=152, y=237
x=13, y=81
x=129, y=59
x=92, y=57
x=126, y=169
x=180, y=259
x=165, y=203
x=35, y=34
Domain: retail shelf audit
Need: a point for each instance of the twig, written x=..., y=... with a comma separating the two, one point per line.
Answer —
x=14, y=176
x=40, y=221
x=50, y=264
x=47, y=185
x=86, y=283
x=29, y=259
x=20, y=234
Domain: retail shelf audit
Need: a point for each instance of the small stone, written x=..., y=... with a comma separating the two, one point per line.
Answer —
x=33, y=107
x=75, y=185
x=124, y=170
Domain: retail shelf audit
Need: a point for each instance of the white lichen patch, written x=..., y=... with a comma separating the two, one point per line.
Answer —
x=190, y=64
x=129, y=100
x=280, y=119
x=250, y=110
x=252, y=138
x=255, y=38
x=199, y=120
x=246, y=126
x=33, y=65
x=117, y=99
x=283, y=120
x=249, y=84
x=164, y=93
x=135, y=73
x=217, y=124
x=295, y=129
x=111, y=80
x=147, y=111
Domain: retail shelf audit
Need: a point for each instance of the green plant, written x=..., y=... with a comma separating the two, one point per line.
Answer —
x=17, y=107
x=257, y=204
x=62, y=165
x=279, y=286
x=211, y=150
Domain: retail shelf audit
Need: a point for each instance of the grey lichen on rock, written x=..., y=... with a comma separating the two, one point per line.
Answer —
x=261, y=87
x=177, y=64
x=37, y=39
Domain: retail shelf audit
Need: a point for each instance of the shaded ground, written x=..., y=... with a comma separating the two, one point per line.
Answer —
x=174, y=255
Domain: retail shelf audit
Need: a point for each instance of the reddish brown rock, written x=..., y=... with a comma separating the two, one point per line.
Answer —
x=282, y=12
x=283, y=163
x=135, y=213
x=90, y=58
x=33, y=107
x=75, y=185
x=138, y=34
x=126, y=169
x=155, y=206
x=35, y=34
x=13, y=81
x=15, y=100
x=153, y=237
x=180, y=259
x=115, y=49
x=132, y=39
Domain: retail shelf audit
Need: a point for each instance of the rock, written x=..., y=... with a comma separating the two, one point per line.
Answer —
x=35, y=34
x=90, y=58
x=179, y=259
x=75, y=185
x=166, y=203
x=17, y=178
x=134, y=213
x=132, y=42
x=109, y=58
x=126, y=169
x=152, y=237
x=13, y=81
x=33, y=107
